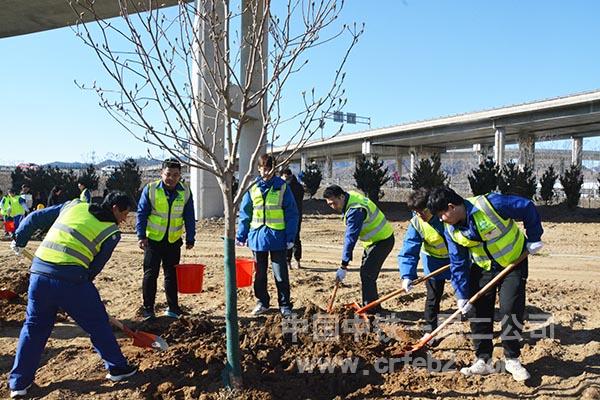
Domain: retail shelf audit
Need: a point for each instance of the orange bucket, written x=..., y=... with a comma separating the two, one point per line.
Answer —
x=189, y=277
x=244, y=271
x=9, y=226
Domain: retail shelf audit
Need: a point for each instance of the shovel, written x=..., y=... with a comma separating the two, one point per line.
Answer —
x=7, y=294
x=332, y=299
x=140, y=338
x=361, y=310
x=421, y=343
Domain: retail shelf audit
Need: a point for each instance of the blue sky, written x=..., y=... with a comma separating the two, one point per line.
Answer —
x=416, y=60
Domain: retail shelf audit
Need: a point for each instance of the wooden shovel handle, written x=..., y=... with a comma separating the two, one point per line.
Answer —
x=332, y=298
x=398, y=292
x=477, y=295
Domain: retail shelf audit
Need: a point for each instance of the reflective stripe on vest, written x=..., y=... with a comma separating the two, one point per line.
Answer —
x=501, y=237
x=375, y=227
x=268, y=210
x=11, y=207
x=160, y=216
x=75, y=237
x=433, y=243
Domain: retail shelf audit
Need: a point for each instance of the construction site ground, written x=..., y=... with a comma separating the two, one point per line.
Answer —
x=561, y=339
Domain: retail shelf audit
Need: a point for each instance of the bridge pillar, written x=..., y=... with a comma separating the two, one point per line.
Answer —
x=527, y=150
x=328, y=167
x=303, y=161
x=499, y=146
x=413, y=159
x=577, y=151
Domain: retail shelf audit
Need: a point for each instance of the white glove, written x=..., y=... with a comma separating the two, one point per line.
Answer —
x=240, y=244
x=407, y=285
x=290, y=245
x=340, y=274
x=534, y=247
x=15, y=248
x=464, y=306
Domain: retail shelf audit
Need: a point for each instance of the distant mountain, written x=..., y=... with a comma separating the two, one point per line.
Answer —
x=142, y=162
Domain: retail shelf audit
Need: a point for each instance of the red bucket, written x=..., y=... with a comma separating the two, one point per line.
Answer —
x=189, y=277
x=244, y=271
x=9, y=226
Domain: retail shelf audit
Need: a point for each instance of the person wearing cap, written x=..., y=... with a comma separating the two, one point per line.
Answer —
x=165, y=208
x=79, y=243
x=367, y=223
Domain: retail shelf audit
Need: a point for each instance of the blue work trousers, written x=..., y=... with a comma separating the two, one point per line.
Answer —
x=81, y=301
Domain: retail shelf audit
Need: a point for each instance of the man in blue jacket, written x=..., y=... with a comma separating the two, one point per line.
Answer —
x=367, y=223
x=482, y=229
x=268, y=222
x=165, y=207
x=425, y=234
x=81, y=239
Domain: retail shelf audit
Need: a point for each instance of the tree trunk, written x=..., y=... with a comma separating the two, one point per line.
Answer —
x=233, y=374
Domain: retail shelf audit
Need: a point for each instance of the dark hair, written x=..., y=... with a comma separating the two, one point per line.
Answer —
x=286, y=171
x=440, y=197
x=417, y=199
x=333, y=191
x=266, y=161
x=171, y=163
x=117, y=198
x=81, y=181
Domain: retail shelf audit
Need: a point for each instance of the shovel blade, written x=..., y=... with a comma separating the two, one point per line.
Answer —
x=149, y=340
x=7, y=294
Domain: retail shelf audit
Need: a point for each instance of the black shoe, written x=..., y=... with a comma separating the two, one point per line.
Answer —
x=147, y=314
x=117, y=374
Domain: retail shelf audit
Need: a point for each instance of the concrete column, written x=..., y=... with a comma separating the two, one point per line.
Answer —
x=366, y=147
x=208, y=127
x=499, y=146
x=328, y=167
x=399, y=166
x=251, y=131
x=413, y=159
x=303, y=161
x=527, y=150
x=577, y=151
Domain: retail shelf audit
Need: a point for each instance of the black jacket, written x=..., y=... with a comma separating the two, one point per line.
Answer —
x=297, y=191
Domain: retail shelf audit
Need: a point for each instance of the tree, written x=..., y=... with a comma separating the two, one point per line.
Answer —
x=181, y=82
x=484, y=179
x=89, y=177
x=312, y=178
x=547, y=184
x=42, y=179
x=518, y=181
x=428, y=174
x=370, y=176
x=126, y=178
x=571, y=181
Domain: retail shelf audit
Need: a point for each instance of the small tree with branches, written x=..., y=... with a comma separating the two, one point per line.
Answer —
x=547, y=185
x=518, y=181
x=485, y=178
x=89, y=177
x=370, y=176
x=428, y=173
x=312, y=178
x=186, y=82
x=571, y=181
x=126, y=178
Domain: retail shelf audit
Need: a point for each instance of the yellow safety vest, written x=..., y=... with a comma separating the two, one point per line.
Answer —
x=375, y=227
x=161, y=215
x=501, y=237
x=11, y=207
x=434, y=244
x=82, y=195
x=75, y=237
x=268, y=210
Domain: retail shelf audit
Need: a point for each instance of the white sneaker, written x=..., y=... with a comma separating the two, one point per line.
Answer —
x=518, y=372
x=259, y=310
x=298, y=266
x=479, y=367
x=19, y=393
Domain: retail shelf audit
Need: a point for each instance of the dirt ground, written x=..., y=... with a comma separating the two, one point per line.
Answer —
x=561, y=340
